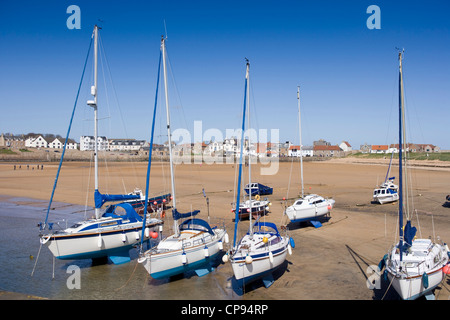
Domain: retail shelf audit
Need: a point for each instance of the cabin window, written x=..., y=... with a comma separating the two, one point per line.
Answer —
x=298, y=203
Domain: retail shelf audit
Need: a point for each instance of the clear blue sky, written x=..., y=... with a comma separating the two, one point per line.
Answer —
x=347, y=73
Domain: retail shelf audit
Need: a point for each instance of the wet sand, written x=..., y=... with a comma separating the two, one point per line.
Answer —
x=330, y=262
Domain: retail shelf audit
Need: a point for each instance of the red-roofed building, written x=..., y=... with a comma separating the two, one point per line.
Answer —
x=379, y=148
x=328, y=151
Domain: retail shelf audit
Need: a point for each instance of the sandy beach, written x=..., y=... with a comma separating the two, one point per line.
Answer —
x=330, y=262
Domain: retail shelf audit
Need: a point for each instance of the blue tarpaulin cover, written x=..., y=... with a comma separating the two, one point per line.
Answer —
x=100, y=199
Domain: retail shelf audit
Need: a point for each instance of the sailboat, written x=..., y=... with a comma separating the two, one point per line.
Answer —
x=153, y=204
x=256, y=207
x=414, y=267
x=194, y=244
x=111, y=233
x=263, y=249
x=311, y=207
x=387, y=191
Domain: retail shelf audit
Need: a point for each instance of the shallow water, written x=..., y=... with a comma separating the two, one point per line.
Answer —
x=55, y=279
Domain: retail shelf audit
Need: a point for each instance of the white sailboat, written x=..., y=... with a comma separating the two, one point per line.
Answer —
x=194, y=244
x=263, y=249
x=110, y=234
x=387, y=191
x=414, y=267
x=311, y=207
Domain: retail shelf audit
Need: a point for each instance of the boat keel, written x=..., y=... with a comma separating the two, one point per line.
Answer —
x=430, y=296
x=268, y=280
x=203, y=271
x=120, y=258
x=316, y=223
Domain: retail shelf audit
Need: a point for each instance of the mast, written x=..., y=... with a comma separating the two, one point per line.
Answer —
x=163, y=48
x=236, y=220
x=249, y=146
x=405, y=169
x=400, y=161
x=93, y=104
x=147, y=183
x=300, y=135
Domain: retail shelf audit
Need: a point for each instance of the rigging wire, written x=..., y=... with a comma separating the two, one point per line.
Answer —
x=196, y=172
x=67, y=137
x=119, y=108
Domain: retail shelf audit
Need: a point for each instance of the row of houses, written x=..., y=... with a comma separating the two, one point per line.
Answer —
x=228, y=147
x=57, y=142
x=320, y=148
x=35, y=141
x=394, y=148
x=104, y=144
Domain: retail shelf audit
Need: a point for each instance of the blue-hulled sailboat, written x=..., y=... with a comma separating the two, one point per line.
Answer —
x=111, y=233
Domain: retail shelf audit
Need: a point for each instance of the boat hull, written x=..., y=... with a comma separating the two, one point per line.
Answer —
x=419, y=272
x=382, y=199
x=94, y=244
x=261, y=263
x=411, y=288
x=308, y=212
x=162, y=265
x=387, y=192
x=153, y=204
x=258, y=208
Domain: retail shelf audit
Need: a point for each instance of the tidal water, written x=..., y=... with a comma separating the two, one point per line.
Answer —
x=21, y=253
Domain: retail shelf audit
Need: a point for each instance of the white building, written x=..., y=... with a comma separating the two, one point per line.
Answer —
x=58, y=143
x=230, y=146
x=294, y=151
x=214, y=147
x=126, y=144
x=345, y=146
x=36, y=142
x=88, y=143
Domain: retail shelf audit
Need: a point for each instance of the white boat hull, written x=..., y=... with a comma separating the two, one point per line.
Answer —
x=262, y=261
x=382, y=199
x=309, y=210
x=95, y=244
x=386, y=193
x=423, y=257
x=193, y=255
x=412, y=288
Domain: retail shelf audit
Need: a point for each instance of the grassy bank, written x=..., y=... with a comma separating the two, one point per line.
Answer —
x=442, y=156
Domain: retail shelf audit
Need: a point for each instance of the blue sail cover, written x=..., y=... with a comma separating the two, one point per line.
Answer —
x=197, y=224
x=129, y=211
x=263, y=227
x=410, y=233
x=100, y=199
x=177, y=215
